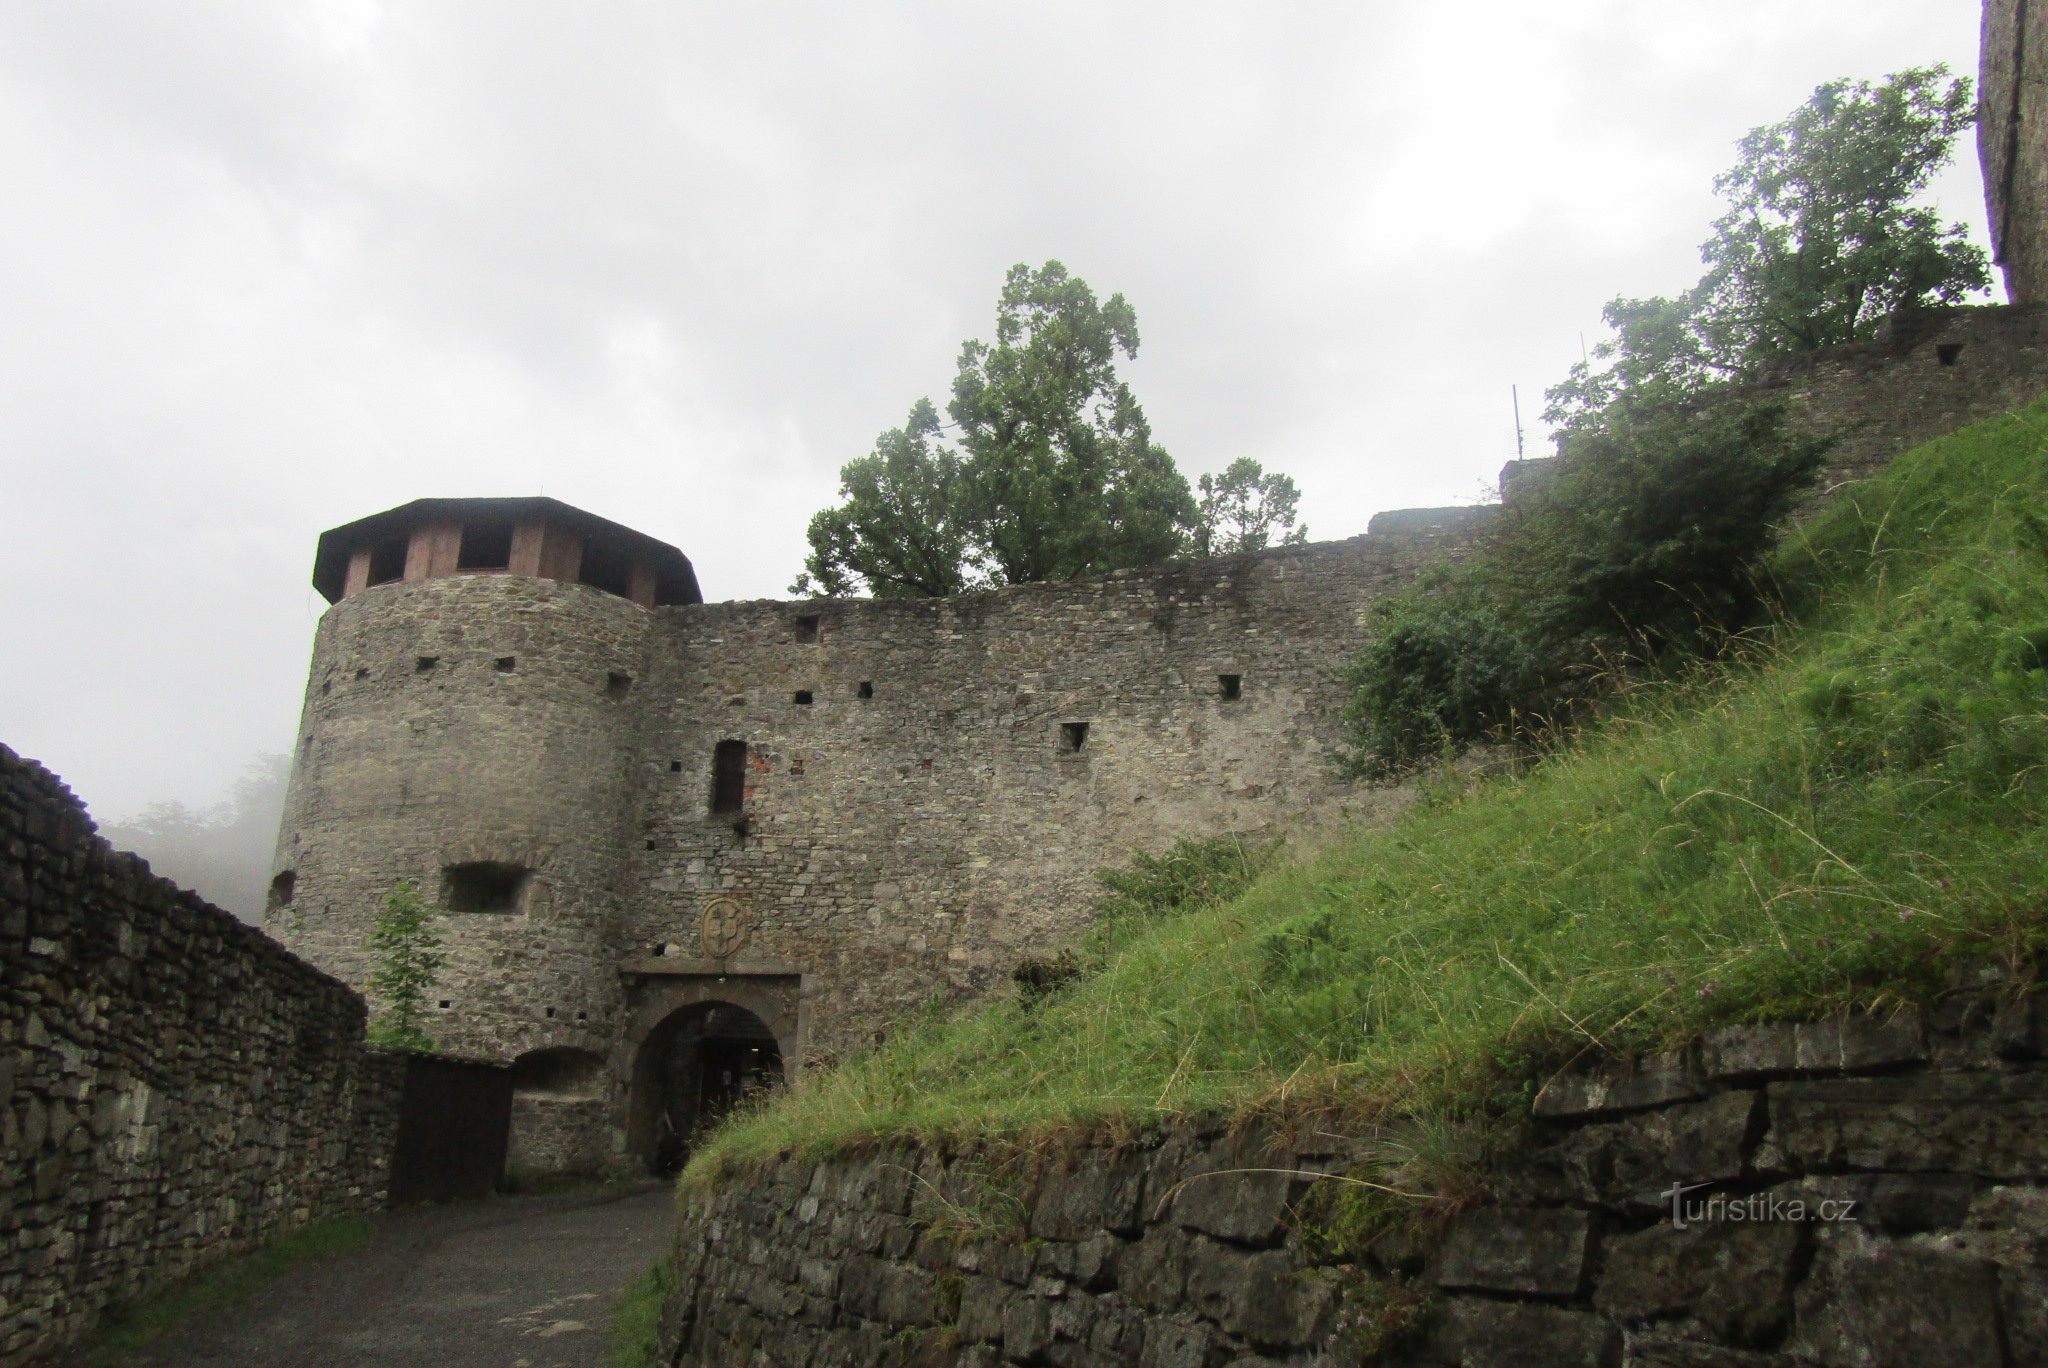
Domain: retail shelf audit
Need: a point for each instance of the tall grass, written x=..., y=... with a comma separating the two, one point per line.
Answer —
x=1832, y=818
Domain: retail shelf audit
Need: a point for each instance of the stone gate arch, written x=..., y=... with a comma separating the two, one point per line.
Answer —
x=697, y=1045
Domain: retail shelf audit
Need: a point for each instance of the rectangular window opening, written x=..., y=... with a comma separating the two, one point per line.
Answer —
x=607, y=568
x=387, y=560
x=1230, y=686
x=802, y=698
x=807, y=628
x=446, y=1003
x=505, y=664
x=1946, y=353
x=1073, y=736
x=485, y=546
x=492, y=886
x=866, y=689
x=675, y=767
x=424, y=664
x=617, y=683
x=729, y=778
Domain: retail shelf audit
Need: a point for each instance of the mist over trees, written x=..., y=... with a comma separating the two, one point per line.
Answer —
x=222, y=852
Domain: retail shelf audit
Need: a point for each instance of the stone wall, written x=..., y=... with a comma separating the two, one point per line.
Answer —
x=558, y=1135
x=2012, y=142
x=178, y=1087
x=1867, y=1191
x=1927, y=375
x=930, y=814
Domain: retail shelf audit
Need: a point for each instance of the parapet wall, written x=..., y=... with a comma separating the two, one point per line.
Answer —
x=1867, y=1191
x=179, y=1088
x=1929, y=374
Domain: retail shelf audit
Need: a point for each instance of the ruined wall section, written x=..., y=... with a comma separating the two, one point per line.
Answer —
x=926, y=820
x=1861, y=1191
x=177, y=1087
x=472, y=719
x=2012, y=142
x=1931, y=373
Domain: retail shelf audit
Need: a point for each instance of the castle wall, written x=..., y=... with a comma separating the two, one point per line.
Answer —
x=177, y=1087
x=922, y=840
x=1931, y=373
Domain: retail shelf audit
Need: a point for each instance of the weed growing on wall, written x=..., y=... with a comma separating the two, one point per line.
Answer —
x=408, y=959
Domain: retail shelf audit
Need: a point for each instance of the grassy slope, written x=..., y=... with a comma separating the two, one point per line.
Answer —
x=1855, y=803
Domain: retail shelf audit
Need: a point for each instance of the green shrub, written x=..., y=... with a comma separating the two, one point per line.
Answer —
x=1640, y=544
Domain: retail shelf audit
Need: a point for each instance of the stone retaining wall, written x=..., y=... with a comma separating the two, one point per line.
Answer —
x=179, y=1088
x=1863, y=1191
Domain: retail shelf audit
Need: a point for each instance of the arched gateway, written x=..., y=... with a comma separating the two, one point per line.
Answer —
x=699, y=1047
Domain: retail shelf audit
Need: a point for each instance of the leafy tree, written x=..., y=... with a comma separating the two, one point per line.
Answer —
x=1053, y=473
x=408, y=964
x=1822, y=240
x=898, y=530
x=1063, y=477
x=1244, y=507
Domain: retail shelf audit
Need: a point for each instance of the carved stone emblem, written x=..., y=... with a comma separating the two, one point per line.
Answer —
x=723, y=927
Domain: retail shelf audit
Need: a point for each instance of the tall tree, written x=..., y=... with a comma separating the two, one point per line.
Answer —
x=1822, y=240
x=1243, y=508
x=1063, y=478
x=898, y=529
x=1052, y=472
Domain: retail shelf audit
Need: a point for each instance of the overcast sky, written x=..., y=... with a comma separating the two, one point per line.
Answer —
x=266, y=268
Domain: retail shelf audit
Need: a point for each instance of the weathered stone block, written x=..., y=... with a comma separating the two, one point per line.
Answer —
x=1887, y=1305
x=1236, y=1190
x=1534, y=1252
x=1475, y=1331
x=1099, y=1193
x=1734, y=1280
x=1628, y=1163
x=1995, y=1126
x=1256, y=1296
x=1850, y=1044
x=1649, y=1082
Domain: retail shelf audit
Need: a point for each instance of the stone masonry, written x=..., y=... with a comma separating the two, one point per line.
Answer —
x=177, y=1088
x=1867, y=1191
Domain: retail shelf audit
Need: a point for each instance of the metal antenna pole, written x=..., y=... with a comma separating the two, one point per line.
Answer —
x=1516, y=394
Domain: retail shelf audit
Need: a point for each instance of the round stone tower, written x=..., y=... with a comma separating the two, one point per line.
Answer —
x=469, y=727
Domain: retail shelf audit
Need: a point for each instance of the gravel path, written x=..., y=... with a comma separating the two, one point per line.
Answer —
x=509, y=1282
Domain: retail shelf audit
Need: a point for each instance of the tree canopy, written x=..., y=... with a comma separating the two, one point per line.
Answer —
x=1048, y=470
x=1821, y=241
x=1246, y=509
